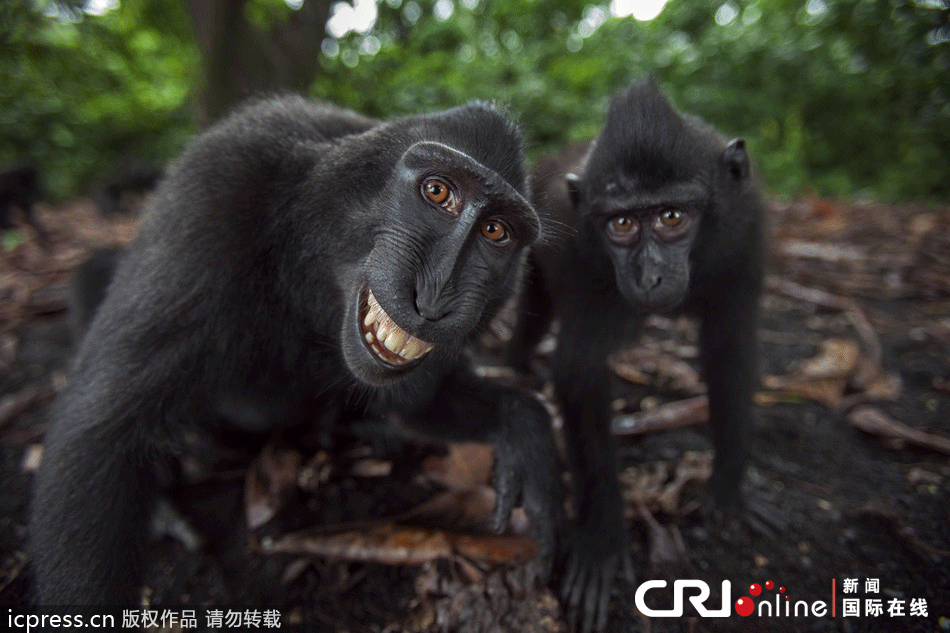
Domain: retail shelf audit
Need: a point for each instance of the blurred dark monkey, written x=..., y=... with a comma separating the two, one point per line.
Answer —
x=21, y=187
x=88, y=286
x=124, y=193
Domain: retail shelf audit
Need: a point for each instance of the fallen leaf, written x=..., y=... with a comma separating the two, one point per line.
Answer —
x=371, y=467
x=32, y=458
x=825, y=391
x=269, y=480
x=494, y=549
x=837, y=369
x=836, y=358
x=467, y=465
x=459, y=509
x=658, y=486
x=644, y=365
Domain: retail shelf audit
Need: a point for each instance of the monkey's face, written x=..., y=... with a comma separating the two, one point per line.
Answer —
x=650, y=250
x=647, y=233
x=448, y=238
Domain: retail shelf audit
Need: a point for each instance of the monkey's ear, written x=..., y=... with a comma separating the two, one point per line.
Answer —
x=736, y=160
x=573, y=183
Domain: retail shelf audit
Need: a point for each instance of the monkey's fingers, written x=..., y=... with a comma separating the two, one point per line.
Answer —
x=507, y=483
x=572, y=590
x=587, y=595
x=547, y=520
x=628, y=572
x=598, y=600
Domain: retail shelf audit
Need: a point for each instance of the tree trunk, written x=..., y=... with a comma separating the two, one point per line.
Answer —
x=239, y=60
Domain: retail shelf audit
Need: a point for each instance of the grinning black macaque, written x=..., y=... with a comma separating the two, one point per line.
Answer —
x=667, y=219
x=299, y=262
x=21, y=187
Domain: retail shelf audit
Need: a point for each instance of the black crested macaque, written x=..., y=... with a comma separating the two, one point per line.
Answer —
x=667, y=219
x=124, y=192
x=21, y=187
x=298, y=259
x=88, y=286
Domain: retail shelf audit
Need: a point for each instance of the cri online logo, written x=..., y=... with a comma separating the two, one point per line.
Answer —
x=744, y=606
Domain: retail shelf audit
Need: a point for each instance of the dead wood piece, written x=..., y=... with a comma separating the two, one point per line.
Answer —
x=874, y=421
x=906, y=532
x=666, y=542
x=672, y=415
x=18, y=402
x=392, y=544
x=269, y=483
x=851, y=309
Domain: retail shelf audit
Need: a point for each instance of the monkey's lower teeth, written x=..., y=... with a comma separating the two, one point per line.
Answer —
x=386, y=339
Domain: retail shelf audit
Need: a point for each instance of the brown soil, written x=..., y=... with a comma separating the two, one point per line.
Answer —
x=850, y=505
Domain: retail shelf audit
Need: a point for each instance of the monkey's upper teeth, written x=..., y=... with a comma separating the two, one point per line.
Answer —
x=389, y=341
x=395, y=341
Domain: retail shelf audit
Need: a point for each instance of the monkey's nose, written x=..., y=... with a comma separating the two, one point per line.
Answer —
x=650, y=282
x=427, y=309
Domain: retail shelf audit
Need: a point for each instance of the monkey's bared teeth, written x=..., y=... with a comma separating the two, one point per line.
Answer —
x=395, y=341
x=373, y=309
x=383, y=327
x=415, y=349
x=384, y=337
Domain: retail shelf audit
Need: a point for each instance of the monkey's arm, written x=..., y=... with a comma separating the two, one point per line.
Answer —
x=527, y=470
x=589, y=332
x=90, y=506
x=729, y=358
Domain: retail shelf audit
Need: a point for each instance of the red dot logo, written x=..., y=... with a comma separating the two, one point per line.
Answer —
x=755, y=589
x=745, y=606
x=769, y=585
x=781, y=589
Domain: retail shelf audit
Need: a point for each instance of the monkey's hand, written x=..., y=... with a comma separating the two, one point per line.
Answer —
x=527, y=472
x=527, y=468
x=598, y=550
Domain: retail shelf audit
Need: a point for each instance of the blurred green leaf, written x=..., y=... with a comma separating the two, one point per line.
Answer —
x=836, y=97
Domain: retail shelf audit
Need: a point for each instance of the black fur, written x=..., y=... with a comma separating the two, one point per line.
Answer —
x=239, y=305
x=124, y=192
x=648, y=160
x=87, y=288
x=21, y=187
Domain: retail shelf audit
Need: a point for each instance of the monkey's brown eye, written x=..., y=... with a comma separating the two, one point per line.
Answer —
x=622, y=225
x=495, y=231
x=672, y=217
x=437, y=191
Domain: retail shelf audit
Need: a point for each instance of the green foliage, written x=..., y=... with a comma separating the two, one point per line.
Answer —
x=83, y=96
x=264, y=14
x=506, y=52
x=836, y=97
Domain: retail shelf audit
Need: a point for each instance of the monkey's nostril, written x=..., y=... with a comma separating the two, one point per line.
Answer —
x=428, y=310
x=431, y=313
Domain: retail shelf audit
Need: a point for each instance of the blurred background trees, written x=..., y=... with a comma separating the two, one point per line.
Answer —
x=836, y=97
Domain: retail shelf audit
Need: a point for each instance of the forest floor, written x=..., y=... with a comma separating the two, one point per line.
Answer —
x=851, y=451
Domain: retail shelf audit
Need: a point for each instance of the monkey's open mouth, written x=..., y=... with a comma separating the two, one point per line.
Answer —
x=389, y=342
